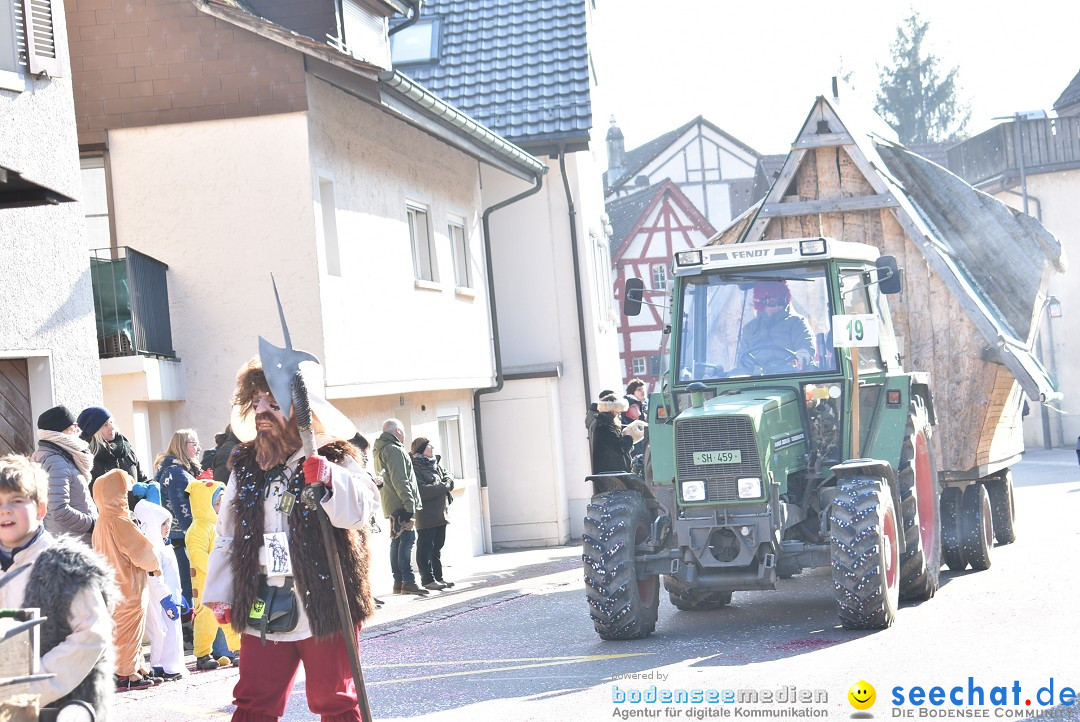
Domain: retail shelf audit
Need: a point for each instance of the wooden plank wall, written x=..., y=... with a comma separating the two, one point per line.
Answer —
x=16, y=426
x=935, y=334
x=1003, y=431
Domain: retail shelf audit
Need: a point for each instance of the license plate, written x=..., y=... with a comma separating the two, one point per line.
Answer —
x=730, y=456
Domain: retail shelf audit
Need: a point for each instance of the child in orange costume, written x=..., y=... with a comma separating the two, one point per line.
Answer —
x=205, y=495
x=131, y=556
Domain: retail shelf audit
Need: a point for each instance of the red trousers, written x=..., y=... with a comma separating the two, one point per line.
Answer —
x=267, y=673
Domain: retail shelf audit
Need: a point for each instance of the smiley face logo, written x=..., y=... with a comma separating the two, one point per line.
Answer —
x=862, y=695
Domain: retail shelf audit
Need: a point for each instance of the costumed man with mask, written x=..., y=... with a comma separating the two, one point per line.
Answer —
x=269, y=572
x=777, y=339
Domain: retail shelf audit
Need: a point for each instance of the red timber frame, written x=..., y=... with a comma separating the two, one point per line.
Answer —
x=670, y=215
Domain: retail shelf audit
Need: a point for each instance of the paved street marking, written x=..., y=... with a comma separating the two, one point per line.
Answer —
x=539, y=662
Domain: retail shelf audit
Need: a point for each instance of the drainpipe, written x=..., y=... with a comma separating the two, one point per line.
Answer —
x=477, y=421
x=572, y=213
x=413, y=17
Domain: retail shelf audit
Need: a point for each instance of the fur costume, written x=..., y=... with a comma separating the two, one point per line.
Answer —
x=60, y=572
x=131, y=556
x=312, y=576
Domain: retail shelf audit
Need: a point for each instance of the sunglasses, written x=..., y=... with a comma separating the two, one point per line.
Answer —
x=773, y=302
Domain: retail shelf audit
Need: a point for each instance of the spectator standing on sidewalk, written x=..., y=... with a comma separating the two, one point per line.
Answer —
x=176, y=468
x=400, y=503
x=67, y=460
x=112, y=450
x=166, y=602
x=221, y=456
x=636, y=388
x=435, y=485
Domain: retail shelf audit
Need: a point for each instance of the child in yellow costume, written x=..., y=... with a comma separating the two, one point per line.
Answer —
x=205, y=495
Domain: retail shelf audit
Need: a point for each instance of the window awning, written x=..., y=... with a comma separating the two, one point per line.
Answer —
x=19, y=192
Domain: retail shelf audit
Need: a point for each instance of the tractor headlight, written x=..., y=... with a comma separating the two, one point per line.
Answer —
x=693, y=491
x=750, y=488
x=813, y=248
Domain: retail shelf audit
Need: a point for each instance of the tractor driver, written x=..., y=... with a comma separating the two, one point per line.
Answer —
x=777, y=339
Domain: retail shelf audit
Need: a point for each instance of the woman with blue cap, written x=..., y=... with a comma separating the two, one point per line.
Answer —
x=112, y=450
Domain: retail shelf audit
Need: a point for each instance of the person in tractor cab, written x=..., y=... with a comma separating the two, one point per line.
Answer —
x=777, y=339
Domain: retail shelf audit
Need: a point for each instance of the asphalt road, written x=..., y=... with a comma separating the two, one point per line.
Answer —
x=531, y=654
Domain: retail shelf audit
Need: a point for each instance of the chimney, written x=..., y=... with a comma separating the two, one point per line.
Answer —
x=615, y=148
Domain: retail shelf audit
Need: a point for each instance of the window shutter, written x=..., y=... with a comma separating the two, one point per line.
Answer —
x=42, y=52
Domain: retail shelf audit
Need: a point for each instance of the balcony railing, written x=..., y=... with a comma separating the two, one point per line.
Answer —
x=1048, y=144
x=131, y=303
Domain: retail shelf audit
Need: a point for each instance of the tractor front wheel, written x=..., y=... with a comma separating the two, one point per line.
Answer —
x=865, y=553
x=622, y=605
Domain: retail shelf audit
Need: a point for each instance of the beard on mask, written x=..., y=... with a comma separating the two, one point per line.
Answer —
x=274, y=445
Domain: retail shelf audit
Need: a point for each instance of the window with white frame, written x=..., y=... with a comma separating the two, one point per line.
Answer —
x=450, y=445
x=659, y=277
x=28, y=43
x=425, y=264
x=460, y=246
x=95, y=202
x=605, y=287
x=638, y=366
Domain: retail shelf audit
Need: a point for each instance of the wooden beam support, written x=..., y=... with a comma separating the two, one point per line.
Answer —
x=828, y=205
x=825, y=140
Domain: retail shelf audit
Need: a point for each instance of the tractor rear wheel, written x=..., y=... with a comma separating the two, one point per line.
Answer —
x=976, y=526
x=687, y=600
x=920, y=564
x=1002, y=508
x=865, y=553
x=622, y=606
x=952, y=549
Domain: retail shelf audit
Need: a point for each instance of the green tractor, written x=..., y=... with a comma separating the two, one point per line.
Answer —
x=786, y=436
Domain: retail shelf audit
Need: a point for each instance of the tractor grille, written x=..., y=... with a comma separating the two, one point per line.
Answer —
x=716, y=434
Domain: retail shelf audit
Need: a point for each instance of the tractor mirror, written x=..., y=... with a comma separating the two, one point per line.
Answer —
x=888, y=275
x=632, y=295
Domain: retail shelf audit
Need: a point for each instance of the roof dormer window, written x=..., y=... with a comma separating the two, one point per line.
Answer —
x=418, y=43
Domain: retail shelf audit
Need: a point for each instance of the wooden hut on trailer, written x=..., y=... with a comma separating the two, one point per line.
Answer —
x=975, y=274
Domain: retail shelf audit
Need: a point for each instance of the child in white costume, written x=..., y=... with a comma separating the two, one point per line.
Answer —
x=166, y=603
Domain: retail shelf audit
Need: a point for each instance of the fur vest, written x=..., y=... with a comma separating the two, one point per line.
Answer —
x=58, y=574
x=314, y=584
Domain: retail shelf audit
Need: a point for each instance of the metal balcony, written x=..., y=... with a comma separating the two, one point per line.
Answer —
x=131, y=304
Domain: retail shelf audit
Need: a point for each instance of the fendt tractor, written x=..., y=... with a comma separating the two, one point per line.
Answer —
x=760, y=460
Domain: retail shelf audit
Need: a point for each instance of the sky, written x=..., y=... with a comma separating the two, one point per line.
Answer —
x=754, y=68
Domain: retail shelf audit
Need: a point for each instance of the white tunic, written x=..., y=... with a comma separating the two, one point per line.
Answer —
x=349, y=503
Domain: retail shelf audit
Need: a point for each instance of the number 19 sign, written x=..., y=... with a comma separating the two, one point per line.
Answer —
x=855, y=330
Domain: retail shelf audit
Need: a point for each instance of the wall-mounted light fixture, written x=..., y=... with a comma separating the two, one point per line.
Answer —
x=1053, y=307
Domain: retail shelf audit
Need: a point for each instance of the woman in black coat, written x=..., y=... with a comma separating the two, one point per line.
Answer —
x=435, y=485
x=610, y=447
x=110, y=448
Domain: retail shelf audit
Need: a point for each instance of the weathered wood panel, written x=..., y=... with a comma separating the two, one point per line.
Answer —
x=1003, y=431
x=16, y=427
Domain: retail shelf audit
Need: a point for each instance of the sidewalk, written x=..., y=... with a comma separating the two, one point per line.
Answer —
x=478, y=581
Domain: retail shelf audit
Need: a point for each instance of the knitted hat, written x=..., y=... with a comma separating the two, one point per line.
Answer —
x=57, y=418
x=633, y=400
x=419, y=444
x=92, y=419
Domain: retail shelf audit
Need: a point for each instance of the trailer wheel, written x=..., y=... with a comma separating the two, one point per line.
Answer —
x=687, y=600
x=920, y=565
x=1002, y=508
x=976, y=526
x=622, y=605
x=865, y=553
x=952, y=549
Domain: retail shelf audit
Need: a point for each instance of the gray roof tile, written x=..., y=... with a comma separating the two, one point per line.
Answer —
x=1069, y=96
x=520, y=67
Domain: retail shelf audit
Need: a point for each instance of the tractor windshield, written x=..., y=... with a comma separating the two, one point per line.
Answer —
x=755, y=323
